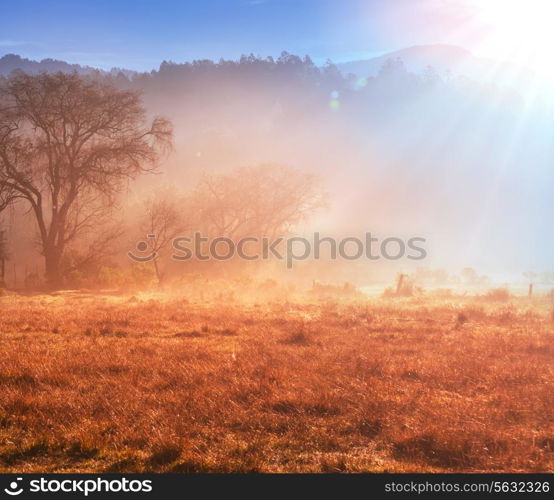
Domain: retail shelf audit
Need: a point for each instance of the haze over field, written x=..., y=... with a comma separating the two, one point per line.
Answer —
x=426, y=120
x=276, y=236
x=461, y=162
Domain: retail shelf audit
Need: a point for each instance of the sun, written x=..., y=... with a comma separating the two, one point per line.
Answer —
x=519, y=30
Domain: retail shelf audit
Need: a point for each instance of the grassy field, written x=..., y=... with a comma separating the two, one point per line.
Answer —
x=135, y=383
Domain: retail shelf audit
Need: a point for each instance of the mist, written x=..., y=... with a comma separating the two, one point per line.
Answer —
x=461, y=163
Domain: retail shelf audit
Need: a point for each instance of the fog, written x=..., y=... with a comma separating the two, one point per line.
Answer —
x=465, y=165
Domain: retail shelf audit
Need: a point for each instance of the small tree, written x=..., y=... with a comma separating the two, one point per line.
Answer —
x=162, y=219
x=67, y=145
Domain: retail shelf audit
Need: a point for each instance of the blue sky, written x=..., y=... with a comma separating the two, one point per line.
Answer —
x=139, y=34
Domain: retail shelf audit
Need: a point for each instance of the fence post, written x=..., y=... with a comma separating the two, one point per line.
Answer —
x=399, y=284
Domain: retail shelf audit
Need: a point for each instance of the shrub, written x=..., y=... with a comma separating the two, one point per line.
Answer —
x=110, y=277
x=498, y=295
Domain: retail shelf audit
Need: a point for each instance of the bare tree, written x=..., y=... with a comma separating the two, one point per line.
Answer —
x=163, y=220
x=67, y=145
x=265, y=200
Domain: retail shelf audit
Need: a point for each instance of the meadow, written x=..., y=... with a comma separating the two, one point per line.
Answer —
x=163, y=383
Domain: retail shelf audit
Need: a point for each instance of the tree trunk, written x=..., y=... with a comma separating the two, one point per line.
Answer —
x=159, y=275
x=52, y=261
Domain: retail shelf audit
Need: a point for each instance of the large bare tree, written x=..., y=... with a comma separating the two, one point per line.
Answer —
x=67, y=145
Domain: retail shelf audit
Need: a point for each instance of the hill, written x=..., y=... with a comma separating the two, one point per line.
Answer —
x=447, y=60
x=11, y=62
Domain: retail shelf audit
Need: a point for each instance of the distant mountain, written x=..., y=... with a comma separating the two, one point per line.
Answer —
x=10, y=62
x=446, y=60
x=441, y=57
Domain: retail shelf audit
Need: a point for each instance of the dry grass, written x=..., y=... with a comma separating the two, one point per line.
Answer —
x=121, y=385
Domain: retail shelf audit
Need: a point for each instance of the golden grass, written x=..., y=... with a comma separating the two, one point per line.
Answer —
x=118, y=384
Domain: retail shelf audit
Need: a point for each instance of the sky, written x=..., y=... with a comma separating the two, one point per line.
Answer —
x=139, y=34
